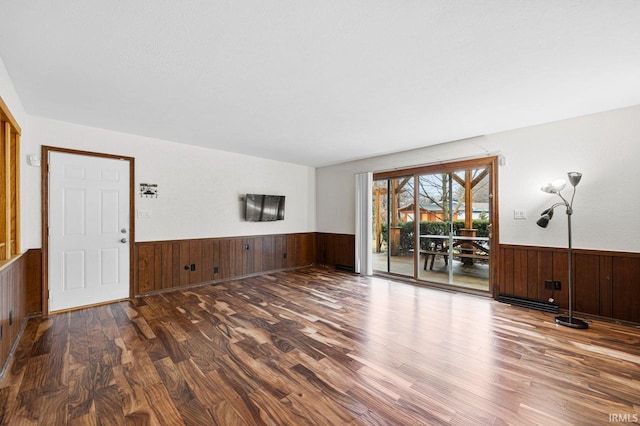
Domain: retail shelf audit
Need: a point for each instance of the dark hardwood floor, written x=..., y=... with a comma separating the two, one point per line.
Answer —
x=319, y=347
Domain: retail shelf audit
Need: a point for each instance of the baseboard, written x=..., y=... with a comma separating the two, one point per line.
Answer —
x=16, y=342
x=540, y=305
x=346, y=268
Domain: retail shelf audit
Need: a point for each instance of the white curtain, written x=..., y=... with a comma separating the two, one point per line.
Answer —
x=364, y=187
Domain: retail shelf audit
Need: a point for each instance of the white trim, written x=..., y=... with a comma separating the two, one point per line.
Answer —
x=364, y=222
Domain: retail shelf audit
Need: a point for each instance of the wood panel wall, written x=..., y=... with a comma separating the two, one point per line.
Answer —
x=605, y=283
x=336, y=250
x=162, y=265
x=19, y=294
x=33, y=258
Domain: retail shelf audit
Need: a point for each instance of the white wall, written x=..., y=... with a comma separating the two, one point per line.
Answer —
x=605, y=147
x=10, y=96
x=199, y=189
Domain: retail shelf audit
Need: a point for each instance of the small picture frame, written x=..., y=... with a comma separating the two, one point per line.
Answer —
x=148, y=190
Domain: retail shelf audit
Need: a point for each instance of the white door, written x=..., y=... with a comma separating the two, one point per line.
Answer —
x=88, y=230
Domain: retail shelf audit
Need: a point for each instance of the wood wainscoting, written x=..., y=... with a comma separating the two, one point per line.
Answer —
x=606, y=283
x=162, y=265
x=33, y=258
x=336, y=250
x=20, y=280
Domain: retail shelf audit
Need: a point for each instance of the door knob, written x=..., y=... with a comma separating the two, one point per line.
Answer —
x=123, y=241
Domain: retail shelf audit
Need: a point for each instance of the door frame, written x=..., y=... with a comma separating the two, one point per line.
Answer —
x=450, y=167
x=45, y=215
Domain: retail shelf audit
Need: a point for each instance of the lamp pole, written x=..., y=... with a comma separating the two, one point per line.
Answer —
x=570, y=263
x=570, y=321
x=555, y=188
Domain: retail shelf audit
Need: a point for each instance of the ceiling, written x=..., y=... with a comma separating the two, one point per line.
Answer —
x=320, y=82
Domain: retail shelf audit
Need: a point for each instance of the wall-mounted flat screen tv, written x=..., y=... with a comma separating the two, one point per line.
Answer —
x=263, y=208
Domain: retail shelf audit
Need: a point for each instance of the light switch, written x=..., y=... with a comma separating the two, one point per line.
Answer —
x=519, y=213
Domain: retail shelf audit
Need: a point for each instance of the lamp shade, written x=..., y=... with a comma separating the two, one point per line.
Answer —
x=547, y=188
x=554, y=187
x=543, y=221
x=545, y=217
x=574, y=178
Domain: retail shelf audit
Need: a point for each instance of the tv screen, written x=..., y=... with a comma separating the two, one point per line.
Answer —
x=263, y=208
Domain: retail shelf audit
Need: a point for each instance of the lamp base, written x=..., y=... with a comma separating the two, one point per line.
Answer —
x=571, y=322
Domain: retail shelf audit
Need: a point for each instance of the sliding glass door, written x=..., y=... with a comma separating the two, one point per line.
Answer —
x=434, y=224
x=393, y=224
x=454, y=240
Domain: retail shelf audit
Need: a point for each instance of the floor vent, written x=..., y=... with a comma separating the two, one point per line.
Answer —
x=345, y=268
x=539, y=305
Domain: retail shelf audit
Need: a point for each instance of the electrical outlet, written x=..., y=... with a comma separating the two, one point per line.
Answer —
x=548, y=284
x=215, y=269
x=557, y=285
x=284, y=256
x=144, y=214
x=193, y=266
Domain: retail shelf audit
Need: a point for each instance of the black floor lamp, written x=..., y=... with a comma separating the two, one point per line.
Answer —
x=555, y=188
